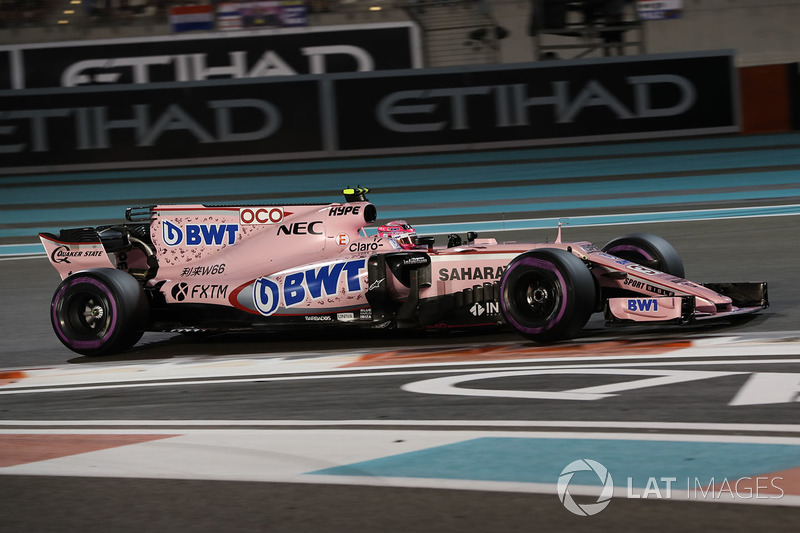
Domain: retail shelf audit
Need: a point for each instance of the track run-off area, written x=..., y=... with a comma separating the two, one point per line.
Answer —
x=676, y=428
x=711, y=419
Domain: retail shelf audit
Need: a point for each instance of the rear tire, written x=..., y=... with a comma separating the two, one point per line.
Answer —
x=547, y=294
x=647, y=250
x=99, y=312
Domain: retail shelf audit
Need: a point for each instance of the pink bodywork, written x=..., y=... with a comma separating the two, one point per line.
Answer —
x=237, y=246
x=488, y=259
x=312, y=259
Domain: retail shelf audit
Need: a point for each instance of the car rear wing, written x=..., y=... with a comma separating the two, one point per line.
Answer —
x=72, y=252
x=139, y=214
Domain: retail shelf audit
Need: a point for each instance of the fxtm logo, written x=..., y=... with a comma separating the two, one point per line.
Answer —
x=315, y=283
x=197, y=234
x=181, y=291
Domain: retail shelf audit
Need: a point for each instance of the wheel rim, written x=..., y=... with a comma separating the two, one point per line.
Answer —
x=540, y=299
x=87, y=314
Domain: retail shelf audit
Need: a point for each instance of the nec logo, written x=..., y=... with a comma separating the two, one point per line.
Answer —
x=197, y=234
x=644, y=305
x=300, y=228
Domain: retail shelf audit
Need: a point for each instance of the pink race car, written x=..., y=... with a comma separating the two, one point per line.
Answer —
x=212, y=268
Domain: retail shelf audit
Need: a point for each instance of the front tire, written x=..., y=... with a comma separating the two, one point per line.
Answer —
x=547, y=294
x=647, y=250
x=99, y=312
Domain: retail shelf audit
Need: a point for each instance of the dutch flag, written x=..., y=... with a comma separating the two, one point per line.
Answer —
x=189, y=18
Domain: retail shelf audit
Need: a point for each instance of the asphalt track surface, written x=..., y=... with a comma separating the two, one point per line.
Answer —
x=742, y=249
x=720, y=250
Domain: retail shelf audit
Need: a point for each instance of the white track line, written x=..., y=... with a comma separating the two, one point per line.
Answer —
x=6, y=426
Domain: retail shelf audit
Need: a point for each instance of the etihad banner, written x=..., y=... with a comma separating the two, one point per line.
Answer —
x=407, y=111
x=544, y=102
x=112, y=126
x=253, y=54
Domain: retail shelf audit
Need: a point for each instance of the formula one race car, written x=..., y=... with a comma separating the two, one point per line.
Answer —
x=193, y=268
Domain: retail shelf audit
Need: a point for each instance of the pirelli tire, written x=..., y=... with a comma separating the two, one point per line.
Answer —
x=648, y=250
x=547, y=294
x=99, y=312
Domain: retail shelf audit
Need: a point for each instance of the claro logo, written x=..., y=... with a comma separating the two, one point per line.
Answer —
x=512, y=102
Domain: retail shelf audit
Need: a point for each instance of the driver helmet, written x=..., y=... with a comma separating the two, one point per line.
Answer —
x=400, y=232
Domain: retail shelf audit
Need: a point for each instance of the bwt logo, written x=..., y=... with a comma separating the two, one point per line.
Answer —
x=646, y=305
x=197, y=234
x=316, y=283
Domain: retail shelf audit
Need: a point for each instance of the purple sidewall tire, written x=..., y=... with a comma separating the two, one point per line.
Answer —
x=99, y=311
x=648, y=249
x=60, y=299
x=623, y=248
x=560, y=308
x=547, y=294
